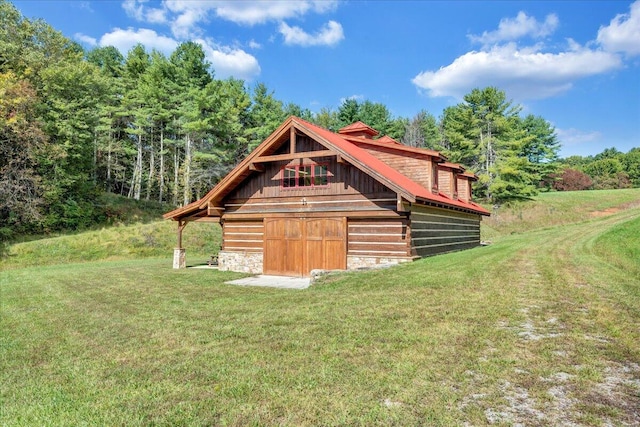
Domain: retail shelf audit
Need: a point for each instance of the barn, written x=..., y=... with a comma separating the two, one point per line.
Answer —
x=308, y=198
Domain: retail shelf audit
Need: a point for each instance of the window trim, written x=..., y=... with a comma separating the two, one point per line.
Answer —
x=297, y=179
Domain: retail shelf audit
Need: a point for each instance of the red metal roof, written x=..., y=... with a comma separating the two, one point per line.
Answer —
x=452, y=166
x=387, y=140
x=386, y=171
x=398, y=148
x=358, y=127
x=349, y=148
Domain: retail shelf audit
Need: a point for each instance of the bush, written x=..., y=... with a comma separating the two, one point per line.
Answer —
x=572, y=180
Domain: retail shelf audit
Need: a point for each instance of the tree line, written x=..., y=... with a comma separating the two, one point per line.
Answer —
x=75, y=124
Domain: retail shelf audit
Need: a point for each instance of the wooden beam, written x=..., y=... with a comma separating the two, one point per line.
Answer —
x=292, y=140
x=181, y=225
x=341, y=160
x=213, y=219
x=214, y=210
x=311, y=214
x=256, y=167
x=302, y=155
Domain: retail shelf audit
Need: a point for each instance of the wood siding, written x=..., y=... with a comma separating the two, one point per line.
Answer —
x=378, y=237
x=418, y=168
x=464, y=189
x=445, y=182
x=348, y=190
x=243, y=236
x=435, y=231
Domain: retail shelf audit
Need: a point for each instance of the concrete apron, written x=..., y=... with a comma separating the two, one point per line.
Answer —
x=282, y=282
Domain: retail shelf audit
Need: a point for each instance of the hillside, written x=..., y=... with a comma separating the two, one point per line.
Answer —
x=557, y=208
x=136, y=230
x=538, y=327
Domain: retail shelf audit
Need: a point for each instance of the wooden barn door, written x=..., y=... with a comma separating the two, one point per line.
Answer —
x=295, y=246
x=325, y=244
x=283, y=246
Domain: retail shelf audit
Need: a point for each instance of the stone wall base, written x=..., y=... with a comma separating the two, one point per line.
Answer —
x=355, y=262
x=179, y=258
x=252, y=262
x=242, y=262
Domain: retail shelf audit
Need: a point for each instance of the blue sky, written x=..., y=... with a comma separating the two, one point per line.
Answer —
x=575, y=63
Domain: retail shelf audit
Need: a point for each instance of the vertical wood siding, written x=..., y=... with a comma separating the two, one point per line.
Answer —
x=416, y=168
x=348, y=188
x=435, y=231
x=445, y=182
x=464, y=189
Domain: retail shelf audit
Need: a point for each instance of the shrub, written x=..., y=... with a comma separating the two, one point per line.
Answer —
x=572, y=180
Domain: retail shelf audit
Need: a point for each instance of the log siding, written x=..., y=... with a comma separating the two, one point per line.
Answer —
x=435, y=231
x=378, y=237
x=243, y=236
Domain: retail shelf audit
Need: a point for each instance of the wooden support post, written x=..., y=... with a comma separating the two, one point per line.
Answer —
x=292, y=140
x=179, y=259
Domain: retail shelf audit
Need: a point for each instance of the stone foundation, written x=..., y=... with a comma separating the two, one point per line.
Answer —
x=356, y=262
x=242, y=262
x=179, y=258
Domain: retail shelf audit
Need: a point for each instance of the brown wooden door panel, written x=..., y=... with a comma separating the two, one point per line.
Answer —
x=295, y=246
x=313, y=255
x=293, y=257
x=335, y=257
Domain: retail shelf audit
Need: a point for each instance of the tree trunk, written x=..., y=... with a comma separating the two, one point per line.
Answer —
x=187, y=171
x=152, y=166
x=139, y=169
x=176, y=167
x=161, y=177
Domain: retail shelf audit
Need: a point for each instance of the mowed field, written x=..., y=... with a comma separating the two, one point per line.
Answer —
x=541, y=327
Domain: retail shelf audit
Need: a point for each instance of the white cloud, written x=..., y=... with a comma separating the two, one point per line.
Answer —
x=88, y=40
x=532, y=72
x=519, y=27
x=574, y=136
x=329, y=35
x=522, y=73
x=259, y=12
x=254, y=44
x=137, y=10
x=623, y=32
x=133, y=9
x=228, y=62
x=184, y=16
x=124, y=40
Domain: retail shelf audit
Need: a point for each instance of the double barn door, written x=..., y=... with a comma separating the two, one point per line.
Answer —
x=295, y=246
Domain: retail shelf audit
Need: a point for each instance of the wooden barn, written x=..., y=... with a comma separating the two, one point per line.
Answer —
x=308, y=198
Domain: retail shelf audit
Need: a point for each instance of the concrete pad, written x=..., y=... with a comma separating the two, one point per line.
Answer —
x=283, y=282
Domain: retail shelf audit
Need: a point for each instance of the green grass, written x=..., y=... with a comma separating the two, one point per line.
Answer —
x=152, y=240
x=556, y=208
x=539, y=328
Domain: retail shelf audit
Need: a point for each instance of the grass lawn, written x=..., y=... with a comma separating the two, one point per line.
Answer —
x=539, y=328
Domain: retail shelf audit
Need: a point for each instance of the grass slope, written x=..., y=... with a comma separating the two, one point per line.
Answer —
x=539, y=328
x=135, y=241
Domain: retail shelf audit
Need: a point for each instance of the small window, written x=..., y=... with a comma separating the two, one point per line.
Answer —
x=289, y=177
x=305, y=176
x=320, y=177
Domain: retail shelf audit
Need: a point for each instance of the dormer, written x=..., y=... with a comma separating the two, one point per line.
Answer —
x=448, y=179
x=388, y=140
x=464, y=181
x=359, y=129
